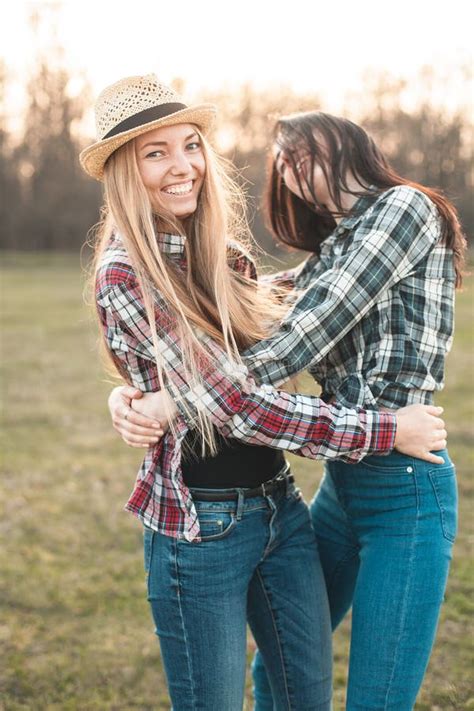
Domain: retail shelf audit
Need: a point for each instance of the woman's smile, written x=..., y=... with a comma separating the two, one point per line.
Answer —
x=179, y=189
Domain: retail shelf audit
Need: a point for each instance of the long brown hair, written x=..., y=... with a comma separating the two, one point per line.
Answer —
x=340, y=148
x=210, y=296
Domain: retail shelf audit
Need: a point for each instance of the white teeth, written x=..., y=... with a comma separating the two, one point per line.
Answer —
x=179, y=189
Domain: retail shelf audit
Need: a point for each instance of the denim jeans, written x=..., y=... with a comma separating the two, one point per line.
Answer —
x=385, y=529
x=258, y=562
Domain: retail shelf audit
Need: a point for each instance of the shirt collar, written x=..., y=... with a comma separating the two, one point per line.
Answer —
x=171, y=244
x=359, y=208
x=168, y=243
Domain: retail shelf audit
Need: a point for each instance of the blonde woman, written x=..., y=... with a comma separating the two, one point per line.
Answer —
x=227, y=535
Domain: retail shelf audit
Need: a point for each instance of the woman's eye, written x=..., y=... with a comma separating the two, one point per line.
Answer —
x=154, y=154
x=195, y=145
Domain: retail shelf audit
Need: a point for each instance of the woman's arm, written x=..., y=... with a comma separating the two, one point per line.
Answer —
x=420, y=430
x=386, y=247
x=229, y=396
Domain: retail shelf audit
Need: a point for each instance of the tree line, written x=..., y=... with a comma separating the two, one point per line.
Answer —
x=47, y=203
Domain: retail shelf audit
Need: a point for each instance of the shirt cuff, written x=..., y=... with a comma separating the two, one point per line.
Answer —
x=381, y=429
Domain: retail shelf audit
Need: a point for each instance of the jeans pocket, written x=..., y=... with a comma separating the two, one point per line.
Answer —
x=148, y=534
x=215, y=525
x=443, y=481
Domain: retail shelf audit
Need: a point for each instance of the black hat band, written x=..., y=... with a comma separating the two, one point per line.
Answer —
x=146, y=116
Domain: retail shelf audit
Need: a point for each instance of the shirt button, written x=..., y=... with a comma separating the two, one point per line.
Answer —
x=409, y=470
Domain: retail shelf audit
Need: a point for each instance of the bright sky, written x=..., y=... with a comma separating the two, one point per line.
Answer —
x=307, y=45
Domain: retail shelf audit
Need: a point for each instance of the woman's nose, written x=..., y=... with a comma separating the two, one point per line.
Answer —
x=181, y=164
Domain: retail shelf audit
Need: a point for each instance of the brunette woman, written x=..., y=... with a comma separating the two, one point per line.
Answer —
x=374, y=324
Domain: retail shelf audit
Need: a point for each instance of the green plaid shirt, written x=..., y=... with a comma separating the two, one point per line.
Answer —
x=373, y=320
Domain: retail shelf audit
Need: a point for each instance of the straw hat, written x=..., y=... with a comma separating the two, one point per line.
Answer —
x=131, y=107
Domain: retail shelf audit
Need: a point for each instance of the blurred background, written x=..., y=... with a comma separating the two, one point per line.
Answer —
x=75, y=630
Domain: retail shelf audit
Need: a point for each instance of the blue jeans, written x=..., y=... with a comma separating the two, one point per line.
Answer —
x=385, y=530
x=258, y=562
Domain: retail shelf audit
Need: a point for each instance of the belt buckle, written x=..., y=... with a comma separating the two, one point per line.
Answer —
x=273, y=484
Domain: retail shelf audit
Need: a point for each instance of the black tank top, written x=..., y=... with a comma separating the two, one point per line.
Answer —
x=236, y=464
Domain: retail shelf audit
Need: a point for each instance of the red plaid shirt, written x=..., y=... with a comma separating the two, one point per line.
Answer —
x=237, y=405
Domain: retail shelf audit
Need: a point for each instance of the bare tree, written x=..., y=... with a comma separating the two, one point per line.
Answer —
x=60, y=202
x=10, y=190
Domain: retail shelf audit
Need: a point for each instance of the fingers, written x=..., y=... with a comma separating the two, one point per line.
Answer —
x=138, y=437
x=435, y=422
x=439, y=444
x=131, y=393
x=434, y=410
x=138, y=441
x=122, y=396
x=433, y=458
x=124, y=427
x=135, y=429
x=145, y=431
x=439, y=437
x=132, y=417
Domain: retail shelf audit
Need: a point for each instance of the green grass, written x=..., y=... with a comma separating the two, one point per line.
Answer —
x=75, y=630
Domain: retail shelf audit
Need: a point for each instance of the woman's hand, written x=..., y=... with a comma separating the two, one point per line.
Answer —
x=157, y=406
x=136, y=429
x=419, y=431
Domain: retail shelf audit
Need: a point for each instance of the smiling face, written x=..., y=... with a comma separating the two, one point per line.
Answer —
x=172, y=166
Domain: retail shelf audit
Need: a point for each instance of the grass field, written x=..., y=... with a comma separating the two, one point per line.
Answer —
x=75, y=630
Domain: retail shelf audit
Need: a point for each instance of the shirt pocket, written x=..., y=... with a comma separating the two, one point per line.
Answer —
x=443, y=481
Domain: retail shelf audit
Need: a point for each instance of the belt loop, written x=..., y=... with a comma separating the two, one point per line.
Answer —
x=240, y=504
x=284, y=474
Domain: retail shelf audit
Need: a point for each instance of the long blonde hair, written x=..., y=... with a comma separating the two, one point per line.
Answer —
x=209, y=296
